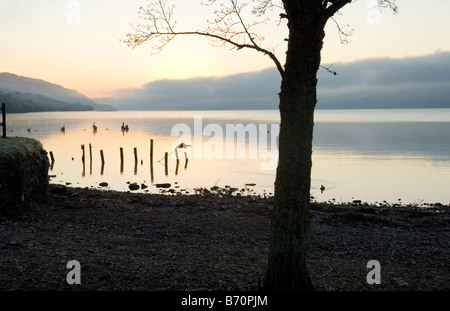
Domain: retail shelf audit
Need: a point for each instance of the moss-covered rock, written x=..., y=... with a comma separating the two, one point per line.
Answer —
x=16, y=149
x=23, y=174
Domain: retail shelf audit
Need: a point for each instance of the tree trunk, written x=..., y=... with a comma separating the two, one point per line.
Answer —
x=290, y=224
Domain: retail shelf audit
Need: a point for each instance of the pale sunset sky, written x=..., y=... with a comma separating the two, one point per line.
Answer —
x=49, y=40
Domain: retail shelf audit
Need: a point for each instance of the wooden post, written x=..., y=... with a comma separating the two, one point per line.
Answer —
x=103, y=162
x=151, y=160
x=4, y=120
x=82, y=159
x=52, y=161
x=151, y=150
x=121, y=160
x=90, y=159
x=166, y=155
x=135, y=161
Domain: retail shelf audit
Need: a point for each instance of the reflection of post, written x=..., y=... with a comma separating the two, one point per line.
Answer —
x=176, y=169
x=165, y=163
x=121, y=160
x=151, y=160
x=103, y=166
x=102, y=157
x=187, y=160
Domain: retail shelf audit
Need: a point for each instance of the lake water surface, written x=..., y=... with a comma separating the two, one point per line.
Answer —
x=369, y=155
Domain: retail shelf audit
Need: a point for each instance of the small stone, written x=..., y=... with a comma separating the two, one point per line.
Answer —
x=133, y=186
x=103, y=184
x=164, y=185
x=401, y=282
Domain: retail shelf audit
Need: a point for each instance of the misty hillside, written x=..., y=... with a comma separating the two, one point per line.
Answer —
x=22, y=94
x=25, y=102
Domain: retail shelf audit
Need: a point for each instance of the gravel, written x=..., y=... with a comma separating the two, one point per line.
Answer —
x=213, y=241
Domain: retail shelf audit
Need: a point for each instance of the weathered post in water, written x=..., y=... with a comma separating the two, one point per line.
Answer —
x=52, y=160
x=82, y=157
x=151, y=151
x=90, y=159
x=82, y=160
x=187, y=160
x=4, y=120
x=121, y=160
x=135, y=161
x=166, y=155
x=103, y=162
x=151, y=160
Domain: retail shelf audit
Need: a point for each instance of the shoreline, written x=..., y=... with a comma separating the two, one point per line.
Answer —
x=246, y=190
x=158, y=242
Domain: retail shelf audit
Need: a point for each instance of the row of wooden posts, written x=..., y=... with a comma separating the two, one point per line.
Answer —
x=166, y=157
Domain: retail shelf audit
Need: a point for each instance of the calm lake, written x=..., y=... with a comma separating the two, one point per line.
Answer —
x=368, y=155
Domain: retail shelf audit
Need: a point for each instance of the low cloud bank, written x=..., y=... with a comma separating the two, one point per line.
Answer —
x=413, y=82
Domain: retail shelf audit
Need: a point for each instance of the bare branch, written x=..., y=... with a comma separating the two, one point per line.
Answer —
x=388, y=4
x=331, y=7
x=228, y=27
x=344, y=33
x=328, y=69
x=264, y=5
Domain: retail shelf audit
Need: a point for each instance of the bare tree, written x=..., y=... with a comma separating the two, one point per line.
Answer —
x=305, y=20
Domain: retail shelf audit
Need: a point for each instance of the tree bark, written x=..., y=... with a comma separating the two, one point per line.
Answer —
x=290, y=224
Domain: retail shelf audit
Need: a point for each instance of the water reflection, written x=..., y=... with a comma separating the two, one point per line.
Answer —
x=371, y=161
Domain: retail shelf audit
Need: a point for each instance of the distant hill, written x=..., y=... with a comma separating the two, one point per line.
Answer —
x=22, y=94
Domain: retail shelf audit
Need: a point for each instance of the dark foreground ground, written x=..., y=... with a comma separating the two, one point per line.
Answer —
x=131, y=242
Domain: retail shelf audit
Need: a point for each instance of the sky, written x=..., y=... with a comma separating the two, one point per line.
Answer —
x=76, y=43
